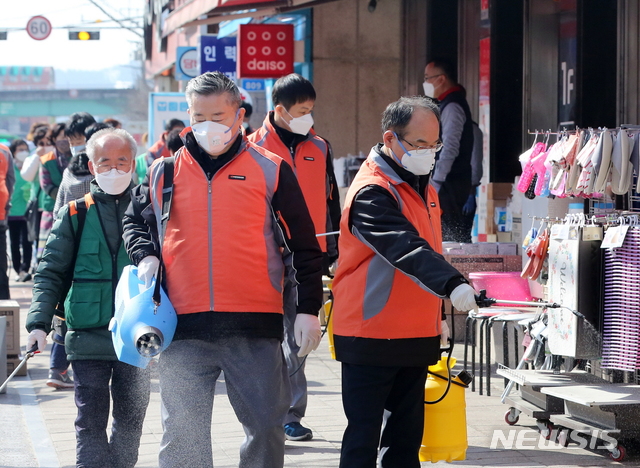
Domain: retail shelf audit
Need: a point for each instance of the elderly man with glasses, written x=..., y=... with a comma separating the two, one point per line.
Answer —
x=388, y=288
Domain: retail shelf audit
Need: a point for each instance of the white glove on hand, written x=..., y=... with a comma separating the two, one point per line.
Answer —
x=444, y=334
x=147, y=269
x=37, y=336
x=463, y=298
x=306, y=331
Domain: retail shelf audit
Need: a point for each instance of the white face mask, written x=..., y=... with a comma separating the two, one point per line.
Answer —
x=212, y=137
x=418, y=164
x=429, y=89
x=114, y=182
x=300, y=125
x=21, y=155
x=77, y=149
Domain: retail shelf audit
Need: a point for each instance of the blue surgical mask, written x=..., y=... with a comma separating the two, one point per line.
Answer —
x=75, y=150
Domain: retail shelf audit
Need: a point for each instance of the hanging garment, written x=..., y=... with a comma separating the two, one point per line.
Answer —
x=537, y=253
x=635, y=153
x=587, y=173
x=567, y=153
x=602, y=161
x=543, y=174
x=528, y=171
x=575, y=168
x=555, y=161
x=621, y=166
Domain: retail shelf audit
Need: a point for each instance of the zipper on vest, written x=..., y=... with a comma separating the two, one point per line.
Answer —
x=210, y=242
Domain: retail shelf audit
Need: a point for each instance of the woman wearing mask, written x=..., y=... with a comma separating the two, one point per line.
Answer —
x=76, y=178
x=21, y=248
x=29, y=172
x=52, y=165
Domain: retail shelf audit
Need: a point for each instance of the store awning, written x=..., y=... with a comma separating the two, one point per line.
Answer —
x=217, y=11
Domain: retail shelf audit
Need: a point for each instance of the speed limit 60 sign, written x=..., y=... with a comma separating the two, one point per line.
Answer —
x=39, y=28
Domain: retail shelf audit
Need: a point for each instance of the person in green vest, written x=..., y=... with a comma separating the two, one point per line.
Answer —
x=158, y=149
x=52, y=165
x=21, y=248
x=30, y=172
x=94, y=261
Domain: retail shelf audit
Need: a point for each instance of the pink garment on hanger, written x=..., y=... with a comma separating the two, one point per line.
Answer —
x=529, y=171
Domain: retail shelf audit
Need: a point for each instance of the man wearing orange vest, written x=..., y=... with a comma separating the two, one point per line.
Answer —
x=7, y=181
x=388, y=288
x=287, y=132
x=235, y=210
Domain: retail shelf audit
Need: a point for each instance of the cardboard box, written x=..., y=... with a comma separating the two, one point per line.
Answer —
x=507, y=248
x=503, y=238
x=11, y=310
x=12, y=363
x=487, y=248
x=499, y=190
x=490, y=225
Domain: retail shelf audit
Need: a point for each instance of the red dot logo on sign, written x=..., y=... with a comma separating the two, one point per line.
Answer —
x=265, y=50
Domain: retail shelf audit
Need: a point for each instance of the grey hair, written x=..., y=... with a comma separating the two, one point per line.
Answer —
x=97, y=140
x=397, y=115
x=212, y=83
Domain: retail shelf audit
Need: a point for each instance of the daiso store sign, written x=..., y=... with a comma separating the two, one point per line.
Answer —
x=265, y=50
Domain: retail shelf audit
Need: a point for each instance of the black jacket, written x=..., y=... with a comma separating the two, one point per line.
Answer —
x=379, y=221
x=307, y=262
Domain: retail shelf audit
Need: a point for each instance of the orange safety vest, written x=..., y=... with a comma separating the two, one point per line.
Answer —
x=160, y=148
x=310, y=167
x=220, y=246
x=372, y=298
x=4, y=191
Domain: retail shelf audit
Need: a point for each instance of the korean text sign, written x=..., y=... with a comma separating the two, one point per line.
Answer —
x=218, y=54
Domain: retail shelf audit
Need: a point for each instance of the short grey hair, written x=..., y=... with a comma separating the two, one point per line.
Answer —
x=397, y=115
x=97, y=141
x=212, y=83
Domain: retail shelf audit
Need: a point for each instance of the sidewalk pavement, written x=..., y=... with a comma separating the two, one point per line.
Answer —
x=37, y=422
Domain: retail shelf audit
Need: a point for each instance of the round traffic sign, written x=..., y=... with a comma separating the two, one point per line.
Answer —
x=38, y=28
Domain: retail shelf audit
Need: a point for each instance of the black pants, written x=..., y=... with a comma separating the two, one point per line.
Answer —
x=21, y=248
x=130, y=387
x=366, y=392
x=4, y=279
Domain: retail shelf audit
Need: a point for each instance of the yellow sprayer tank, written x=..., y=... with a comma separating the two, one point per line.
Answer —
x=325, y=313
x=445, y=423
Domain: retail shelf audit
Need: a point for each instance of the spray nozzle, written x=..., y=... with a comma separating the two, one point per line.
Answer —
x=464, y=377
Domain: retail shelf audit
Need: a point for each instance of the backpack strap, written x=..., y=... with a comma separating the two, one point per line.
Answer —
x=167, y=187
x=167, y=195
x=77, y=208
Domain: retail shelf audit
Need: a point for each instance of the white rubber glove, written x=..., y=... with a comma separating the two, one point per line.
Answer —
x=37, y=336
x=463, y=298
x=306, y=331
x=147, y=269
x=444, y=333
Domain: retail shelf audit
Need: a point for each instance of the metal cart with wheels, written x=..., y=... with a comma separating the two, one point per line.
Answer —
x=535, y=404
x=608, y=412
